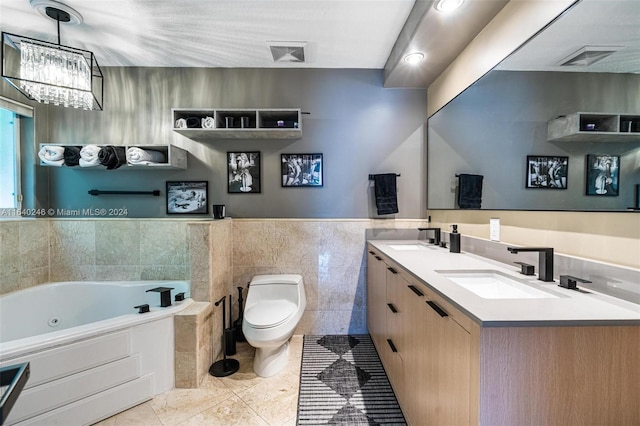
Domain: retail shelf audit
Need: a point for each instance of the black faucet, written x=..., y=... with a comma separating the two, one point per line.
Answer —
x=545, y=260
x=436, y=234
x=165, y=295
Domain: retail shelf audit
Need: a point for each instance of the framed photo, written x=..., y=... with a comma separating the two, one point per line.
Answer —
x=187, y=197
x=301, y=170
x=243, y=171
x=603, y=176
x=547, y=172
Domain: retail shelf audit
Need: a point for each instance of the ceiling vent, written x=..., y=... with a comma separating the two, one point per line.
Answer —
x=287, y=51
x=588, y=55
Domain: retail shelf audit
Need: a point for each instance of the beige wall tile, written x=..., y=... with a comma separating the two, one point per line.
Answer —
x=163, y=272
x=72, y=243
x=163, y=243
x=117, y=242
x=72, y=273
x=9, y=248
x=34, y=245
x=186, y=374
x=117, y=273
x=200, y=261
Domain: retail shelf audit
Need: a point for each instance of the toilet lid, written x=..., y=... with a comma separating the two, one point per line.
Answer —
x=269, y=313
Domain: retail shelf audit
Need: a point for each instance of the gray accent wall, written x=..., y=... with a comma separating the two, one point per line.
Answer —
x=359, y=127
x=491, y=128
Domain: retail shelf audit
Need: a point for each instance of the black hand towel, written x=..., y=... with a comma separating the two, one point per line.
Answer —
x=193, y=122
x=71, y=155
x=112, y=156
x=470, y=191
x=386, y=195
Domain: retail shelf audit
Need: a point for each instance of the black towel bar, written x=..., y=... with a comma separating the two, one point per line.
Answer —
x=155, y=193
x=371, y=176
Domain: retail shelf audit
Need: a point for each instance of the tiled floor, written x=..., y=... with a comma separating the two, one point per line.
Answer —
x=240, y=399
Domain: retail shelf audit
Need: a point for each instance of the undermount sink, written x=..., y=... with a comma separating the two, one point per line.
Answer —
x=490, y=284
x=408, y=247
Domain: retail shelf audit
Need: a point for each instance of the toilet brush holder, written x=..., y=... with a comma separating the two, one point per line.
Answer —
x=225, y=366
x=229, y=334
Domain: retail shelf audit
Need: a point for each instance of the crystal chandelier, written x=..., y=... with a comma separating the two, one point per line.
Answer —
x=52, y=73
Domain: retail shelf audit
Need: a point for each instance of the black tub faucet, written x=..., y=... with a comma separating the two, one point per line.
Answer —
x=165, y=295
x=436, y=234
x=545, y=260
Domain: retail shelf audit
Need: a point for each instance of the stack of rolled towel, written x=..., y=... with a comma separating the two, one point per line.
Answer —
x=112, y=157
x=57, y=155
x=145, y=156
x=52, y=155
x=208, y=123
x=89, y=156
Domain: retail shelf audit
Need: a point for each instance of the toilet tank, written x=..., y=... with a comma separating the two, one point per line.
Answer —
x=276, y=287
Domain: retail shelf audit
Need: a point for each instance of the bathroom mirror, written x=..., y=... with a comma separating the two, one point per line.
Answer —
x=494, y=125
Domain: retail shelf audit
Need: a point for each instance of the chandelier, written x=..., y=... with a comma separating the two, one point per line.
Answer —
x=52, y=73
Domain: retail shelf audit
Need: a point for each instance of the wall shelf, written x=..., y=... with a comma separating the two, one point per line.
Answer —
x=594, y=127
x=205, y=125
x=176, y=158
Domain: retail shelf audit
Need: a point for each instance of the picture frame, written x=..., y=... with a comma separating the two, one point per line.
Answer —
x=547, y=172
x=302, y=170
x=602, y=175
x=187, y=197
x=243, y=172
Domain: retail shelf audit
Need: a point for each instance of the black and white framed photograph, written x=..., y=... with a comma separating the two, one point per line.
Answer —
x=187, y=197
x=302, y=170
x=243, y=171
x=603, y=176
x=547, y=172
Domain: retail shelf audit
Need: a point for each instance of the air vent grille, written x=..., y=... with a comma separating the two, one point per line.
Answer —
x=283, y=51
x=588, y=55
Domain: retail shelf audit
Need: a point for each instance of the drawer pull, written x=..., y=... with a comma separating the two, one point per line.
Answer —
x=378, y=257
x=393, y=271
x=393, y=308
x=415, y=290
x=392, y=346
x=371, y=252
x=437, y=308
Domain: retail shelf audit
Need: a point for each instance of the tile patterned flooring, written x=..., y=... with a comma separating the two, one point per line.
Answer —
x=240, y=399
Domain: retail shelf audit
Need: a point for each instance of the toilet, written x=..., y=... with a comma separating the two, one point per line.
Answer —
x=274, y=306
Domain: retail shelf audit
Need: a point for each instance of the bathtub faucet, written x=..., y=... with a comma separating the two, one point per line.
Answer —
x=165, y=295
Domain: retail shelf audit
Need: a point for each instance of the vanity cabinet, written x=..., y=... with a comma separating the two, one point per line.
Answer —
x=423, y=347
x=450, y=369
x=594, y=127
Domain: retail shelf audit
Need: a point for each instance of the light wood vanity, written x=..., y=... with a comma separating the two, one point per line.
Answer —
x=449, y=367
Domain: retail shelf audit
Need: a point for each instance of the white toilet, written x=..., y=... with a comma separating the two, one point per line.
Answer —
x=274, y=306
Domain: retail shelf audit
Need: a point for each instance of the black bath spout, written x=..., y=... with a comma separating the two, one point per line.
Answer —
x=165, y=295
x=545, y=260
x=436, y=234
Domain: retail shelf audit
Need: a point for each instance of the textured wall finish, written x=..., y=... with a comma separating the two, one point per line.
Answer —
x=36, y=251
x=357, y=125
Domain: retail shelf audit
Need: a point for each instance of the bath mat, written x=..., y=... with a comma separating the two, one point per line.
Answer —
x=342, y=382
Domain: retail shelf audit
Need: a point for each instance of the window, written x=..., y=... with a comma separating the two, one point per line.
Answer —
x=10, y=197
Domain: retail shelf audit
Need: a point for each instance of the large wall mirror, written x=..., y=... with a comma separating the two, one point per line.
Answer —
x=587, y=61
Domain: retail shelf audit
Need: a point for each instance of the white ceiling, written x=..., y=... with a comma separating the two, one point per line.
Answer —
x=588, y=23
x=221, y=33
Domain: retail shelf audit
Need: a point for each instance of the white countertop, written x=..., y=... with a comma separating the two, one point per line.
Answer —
x=570, y=308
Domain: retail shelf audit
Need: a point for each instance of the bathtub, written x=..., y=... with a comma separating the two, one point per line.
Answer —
x=91, y=354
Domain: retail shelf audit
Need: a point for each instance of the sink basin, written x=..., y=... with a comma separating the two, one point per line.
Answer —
x=491, y=284
x=408, y=247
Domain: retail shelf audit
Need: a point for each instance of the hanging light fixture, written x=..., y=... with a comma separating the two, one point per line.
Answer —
x=52, y=73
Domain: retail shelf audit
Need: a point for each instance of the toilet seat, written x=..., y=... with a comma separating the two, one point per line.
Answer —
x=269, y=313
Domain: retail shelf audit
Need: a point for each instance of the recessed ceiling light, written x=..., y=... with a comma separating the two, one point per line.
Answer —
x=448, y=5
x=414, y=58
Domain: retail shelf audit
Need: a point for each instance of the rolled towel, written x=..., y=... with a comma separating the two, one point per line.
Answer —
x=208, y=123
x=112, y=156
x=181, y=123
x=193, y=122
x=89, y=156
x=71, y=155
x=137, y=155
x=52, y=155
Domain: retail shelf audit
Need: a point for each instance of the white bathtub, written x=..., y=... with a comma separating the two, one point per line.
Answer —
x=91, y=354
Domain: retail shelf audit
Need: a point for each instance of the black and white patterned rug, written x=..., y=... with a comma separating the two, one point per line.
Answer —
x=342, y=382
